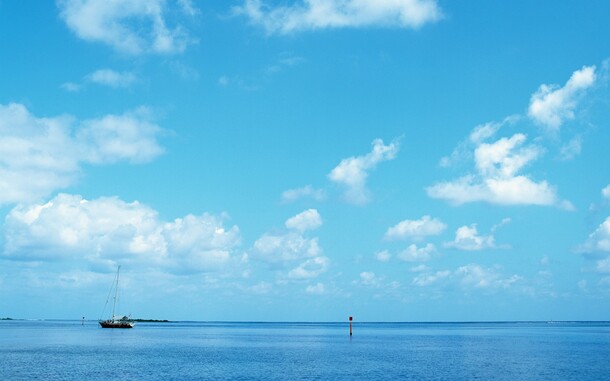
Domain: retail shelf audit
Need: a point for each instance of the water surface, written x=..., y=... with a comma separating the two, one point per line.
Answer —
x=67, y=350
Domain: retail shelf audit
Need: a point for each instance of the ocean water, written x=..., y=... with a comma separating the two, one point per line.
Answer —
x=67, y=350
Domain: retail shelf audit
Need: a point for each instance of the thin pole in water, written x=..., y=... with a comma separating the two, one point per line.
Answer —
x=350, y=325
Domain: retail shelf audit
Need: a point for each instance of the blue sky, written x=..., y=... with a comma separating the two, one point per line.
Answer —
x=395, y=160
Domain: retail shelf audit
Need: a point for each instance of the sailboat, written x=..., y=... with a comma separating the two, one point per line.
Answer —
x=116, y=321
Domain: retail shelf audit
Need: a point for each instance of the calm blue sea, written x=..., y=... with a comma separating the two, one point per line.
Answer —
x=67, y=350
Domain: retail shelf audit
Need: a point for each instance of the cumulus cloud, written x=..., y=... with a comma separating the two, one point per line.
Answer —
x=71, y=87
x=478, y=135
x=427, y=279
x=130, y=136
x=307, y=220
x=498, y=165
x=497, y=179
x=311, y=268
x=283, y=62
x=307, y=191
x=603, y=266
x=107, y=231
x=40, y=155
x=599, y=240
x=571, y=149
x=383, y=256
x=317, y=289
x=352, y=172
x=368, y=278
x=131, y=26
x=286, y=249
x=552, y=105
x=416, y=229
x=476, y=276
x=606, y=192
x=468, y=238
x=417, y=254
x=505, y=157
x=323, y=14
x=468, y=277
x=112, y=78
x=597, y=246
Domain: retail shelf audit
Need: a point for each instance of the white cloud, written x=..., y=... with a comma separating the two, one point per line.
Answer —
x=71, y=87
x=474, y=275
x=383, y=256
x=111, y=78
x=322, y=14
x=104, y=77
x=130, y=137
x=261, y=288
x=603, y=266
x=419, y=269
x=41, y=155
x=307, y=220
x=311, y=268
x=107, y=231
x=468, y=238
x=599, y=240
x=368, y=278
x=468, y=277
x=582, y=285
x=428, y=279
x=307, y=191
x=497, y=180
x=183, y=70
x=483, y=132
x=415, y=254
x=416, y=229
x=224, y=81
x=130, y=26
x=505, y=157
x=286, y=247
x=571, y=149
x=552, y=105
x=284, y=61
x=605, y=281
x=478, y=135
x=188, y=7
x=317, y=289
x=606, y=192
x=505, y=221
x=518, y=190
x=352, y=172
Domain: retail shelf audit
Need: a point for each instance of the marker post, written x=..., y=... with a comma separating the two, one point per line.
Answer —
x=350, y=325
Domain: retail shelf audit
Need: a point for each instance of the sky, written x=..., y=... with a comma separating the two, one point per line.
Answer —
x=305, y=160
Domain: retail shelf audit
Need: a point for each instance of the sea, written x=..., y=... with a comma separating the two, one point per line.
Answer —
x=75, y=350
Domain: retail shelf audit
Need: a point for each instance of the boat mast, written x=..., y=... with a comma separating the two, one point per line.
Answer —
x=116, y=290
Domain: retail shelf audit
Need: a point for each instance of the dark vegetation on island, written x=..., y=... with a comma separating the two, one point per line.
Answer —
x=6, y=318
